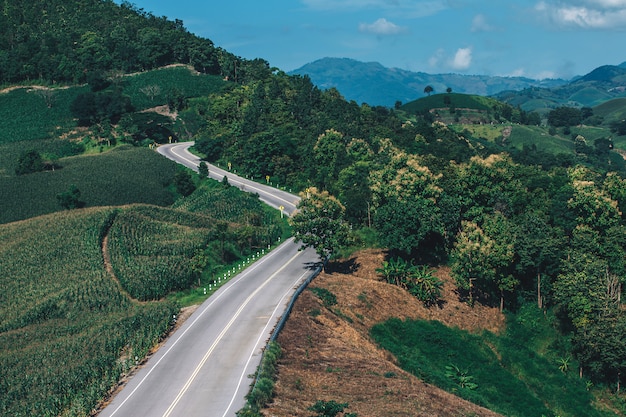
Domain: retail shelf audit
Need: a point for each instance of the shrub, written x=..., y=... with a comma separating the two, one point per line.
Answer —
x=328, y=298
x=29, y=162
x=329, y=408
x=70, y=199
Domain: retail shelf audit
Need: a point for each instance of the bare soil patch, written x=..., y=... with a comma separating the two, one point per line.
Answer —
x=328, y=354
x=162, y=110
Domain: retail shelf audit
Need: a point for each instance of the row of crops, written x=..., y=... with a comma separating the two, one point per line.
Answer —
x=155, y=250
x=122, y=176
x=68, y=329
x=64, y=324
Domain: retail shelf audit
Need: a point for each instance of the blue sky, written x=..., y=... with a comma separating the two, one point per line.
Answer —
x=532, y=38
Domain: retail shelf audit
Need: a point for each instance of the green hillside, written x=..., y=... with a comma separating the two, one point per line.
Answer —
x=31, y=113
x=60, y=42
x=124, y=175
x=523, y=214
x=612, y=110
x=454, y=108
x=69, y=329
x=445, y=100
x=600, y=85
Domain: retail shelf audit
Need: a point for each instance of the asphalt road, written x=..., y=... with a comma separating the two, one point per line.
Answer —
x=271, y=196
x=203, y=369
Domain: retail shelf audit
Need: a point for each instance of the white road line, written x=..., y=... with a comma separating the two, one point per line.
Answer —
x=221, y=336
x=213, y=299
x=234, y=180
x=264, y=333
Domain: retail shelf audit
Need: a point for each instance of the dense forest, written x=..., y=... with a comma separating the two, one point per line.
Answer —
x=516, y=227
x=67, y=41
x=546, y=229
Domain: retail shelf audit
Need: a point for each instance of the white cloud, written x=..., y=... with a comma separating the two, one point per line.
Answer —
x=587, y=14
x=381, y=27
x=480, y=24
x=441, y=61
x=462, y=59
x=436, y=59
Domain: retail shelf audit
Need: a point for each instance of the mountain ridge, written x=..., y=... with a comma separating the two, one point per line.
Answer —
x=354, y=79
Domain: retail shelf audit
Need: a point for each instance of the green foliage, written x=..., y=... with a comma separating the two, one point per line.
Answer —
x=127, y=39
x=70, y=199
x=184, y=183
x=91, y=108
x=424, y=285
x=329, y=409
x=263, y=389
x=319, y=223
x=123, y=176
x=47, y=324
x=498, y=372
x=203, y=170
x=460, y=377
x=417, y=280
x=29, y=162
x=404, y=193
x=328, y=298
x=564, y=116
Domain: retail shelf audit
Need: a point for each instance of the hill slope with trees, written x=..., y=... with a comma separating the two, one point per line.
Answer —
x=516, y=230
x=62, y=41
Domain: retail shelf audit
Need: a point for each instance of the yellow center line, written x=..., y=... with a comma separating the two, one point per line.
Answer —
x=195, y=373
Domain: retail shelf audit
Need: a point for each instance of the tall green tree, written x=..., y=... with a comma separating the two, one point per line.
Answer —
x=184, y=183
x=405, y=194
x=330, y=158
x=70, y=199
x=482, y=259
x=470, y=259
x=319, y=223
x=539, y=249
x=502, y=255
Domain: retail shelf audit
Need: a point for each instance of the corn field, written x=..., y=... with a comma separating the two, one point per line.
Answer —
x=151, y=249
x=67, y=331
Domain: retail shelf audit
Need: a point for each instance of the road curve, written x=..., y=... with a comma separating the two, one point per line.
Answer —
x=203, y=368
x=276, y=198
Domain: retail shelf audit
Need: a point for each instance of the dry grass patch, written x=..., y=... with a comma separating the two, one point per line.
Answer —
x=328, y=354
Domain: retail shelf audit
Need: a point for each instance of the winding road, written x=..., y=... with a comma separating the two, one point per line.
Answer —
x=203, y=368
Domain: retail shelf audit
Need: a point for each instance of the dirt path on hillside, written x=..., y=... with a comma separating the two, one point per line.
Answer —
x=32, y=87
x=182, y=316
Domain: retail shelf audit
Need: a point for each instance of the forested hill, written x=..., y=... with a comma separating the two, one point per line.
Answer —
x=64, y=41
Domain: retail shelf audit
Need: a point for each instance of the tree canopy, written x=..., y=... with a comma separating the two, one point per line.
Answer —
x=63, y=41
x=319, y=223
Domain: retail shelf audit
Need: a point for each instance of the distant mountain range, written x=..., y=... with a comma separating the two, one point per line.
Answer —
x=599, y=86
x=374, y=84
